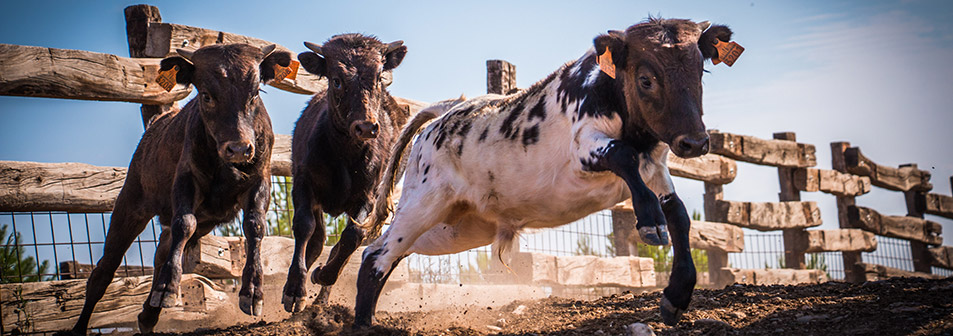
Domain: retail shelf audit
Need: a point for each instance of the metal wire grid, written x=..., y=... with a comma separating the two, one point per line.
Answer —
x=766, y=250
x=57, y=237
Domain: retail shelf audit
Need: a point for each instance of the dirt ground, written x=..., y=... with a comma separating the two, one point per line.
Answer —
x=909, y=306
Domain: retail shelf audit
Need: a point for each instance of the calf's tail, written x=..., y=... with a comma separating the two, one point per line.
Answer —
x=383, y=203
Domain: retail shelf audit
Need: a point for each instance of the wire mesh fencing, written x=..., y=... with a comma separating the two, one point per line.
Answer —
x=40, y=246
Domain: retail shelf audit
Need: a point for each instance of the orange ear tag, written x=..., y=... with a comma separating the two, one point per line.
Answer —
x=166, y=79
x=289, y=72
x=605, y=63
x=728, y=52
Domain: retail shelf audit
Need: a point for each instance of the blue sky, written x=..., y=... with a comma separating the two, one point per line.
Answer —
x=875, y=73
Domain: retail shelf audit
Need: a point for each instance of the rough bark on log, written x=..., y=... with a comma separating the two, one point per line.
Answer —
x=902, y=227
x=766, y=216
x=831, y=182
x=708, y=168
x=55, y=305
x=779, y=153
x=849, y=240
x=897, y=179
x=773, y=276
x=76, y=74
x=874, y=272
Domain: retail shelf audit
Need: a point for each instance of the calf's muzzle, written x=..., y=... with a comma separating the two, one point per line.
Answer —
x=691, y=145
x=365, y=130
x=238, y=151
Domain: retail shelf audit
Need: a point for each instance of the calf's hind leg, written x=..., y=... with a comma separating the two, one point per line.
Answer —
x=410, y=221
x=351, y=238
x=125, y=225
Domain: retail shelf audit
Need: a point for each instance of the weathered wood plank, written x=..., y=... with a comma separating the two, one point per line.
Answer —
x=73, y=187
x=766, y=216
x=165, y=38
x=76, y=74
x=898, y=179
x=716, y=236
x=940, y=205
x=708, y=168
x=942, y=256
x=703, y=235
x=874, y=272
x=850, y=240
x=74, y=270
x=215, y=257
x=831, y=182
x=772, y=276
x=500, y=77
x=70, y=187
x=780, y=153
x=55, y=305
x=903, y=227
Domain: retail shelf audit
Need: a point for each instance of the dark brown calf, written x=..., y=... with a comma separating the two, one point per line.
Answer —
x=195, y=169
x=339, y=146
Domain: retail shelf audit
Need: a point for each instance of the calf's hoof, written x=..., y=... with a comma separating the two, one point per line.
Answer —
x=654, y=235
x=670, y=314
x=249, y=305
x=163, y=298
x=143, y=328
x=292, y=304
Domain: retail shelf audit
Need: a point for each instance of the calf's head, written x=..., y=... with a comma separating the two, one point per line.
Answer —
x=227, y=78
x=354, y=65
x=659, y=66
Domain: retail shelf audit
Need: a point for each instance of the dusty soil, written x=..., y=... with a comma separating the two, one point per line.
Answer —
x=908, y=306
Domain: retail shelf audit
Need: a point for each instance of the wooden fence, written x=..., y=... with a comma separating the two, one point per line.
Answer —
x=76, y=187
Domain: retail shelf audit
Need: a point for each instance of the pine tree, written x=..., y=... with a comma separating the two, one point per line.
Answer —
x=15, y=265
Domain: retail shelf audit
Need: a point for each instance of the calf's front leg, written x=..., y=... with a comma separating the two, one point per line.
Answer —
x=250, y=297
x=623, y=160
x=165, y=286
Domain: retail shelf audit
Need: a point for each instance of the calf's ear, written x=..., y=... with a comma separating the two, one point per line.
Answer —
x=394, y=53
x=267, y=66
x=706, y=43
x=614, y=42
x=313, y=61
x=184, y=69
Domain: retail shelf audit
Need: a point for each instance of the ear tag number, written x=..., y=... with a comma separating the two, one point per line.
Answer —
x=605, y=63
x=289, y=72
x=166, y=79
x=728, y=52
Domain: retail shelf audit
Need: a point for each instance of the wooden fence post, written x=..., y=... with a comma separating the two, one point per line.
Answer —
x=852, y=271
x=138, y=18
x=500, y=77
x=919, y=251
x=717, y=259
x=623, y=221
x=794, y=239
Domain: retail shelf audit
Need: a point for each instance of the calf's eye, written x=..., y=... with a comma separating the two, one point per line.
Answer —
x=337, y=83
x=206, y=97
x=645, y=82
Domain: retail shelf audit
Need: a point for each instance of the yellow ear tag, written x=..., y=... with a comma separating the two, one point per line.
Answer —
x=166, y=79
x=605, y=63
x=289, y=72
x=728, y=52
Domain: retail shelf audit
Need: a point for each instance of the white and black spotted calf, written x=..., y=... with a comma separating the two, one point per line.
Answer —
x=574, y=143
